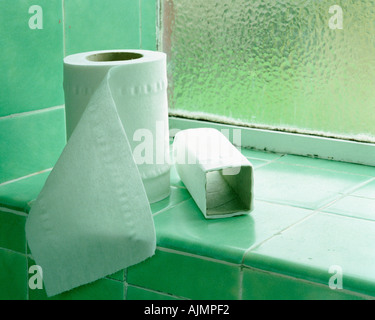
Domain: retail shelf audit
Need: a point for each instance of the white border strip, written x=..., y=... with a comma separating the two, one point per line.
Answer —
x=28, y=113
x=25, y=177
x=291, y=143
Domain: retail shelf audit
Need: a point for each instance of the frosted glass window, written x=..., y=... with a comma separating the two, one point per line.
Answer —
x=295, y=65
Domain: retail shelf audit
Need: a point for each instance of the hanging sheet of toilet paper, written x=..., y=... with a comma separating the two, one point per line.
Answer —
x=92, y=217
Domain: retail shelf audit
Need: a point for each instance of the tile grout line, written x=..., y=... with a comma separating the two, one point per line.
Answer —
x=140, y=23
x=358, y=186
x=25, y=177
x=321, y=208
x=268, y=161
x=13, y=251
x=240, y=293
x=168, y=208
x=197, y=256
x=344, y=195
x=28, y=113
x=347, y=216
x=327, y=169
x=309, y=282
x=158, y=25
x=63, y=24
x=27, y=279
x=157, y=292
x=241, y=275
x=126, y=284
x=18, y=213
x=262, y=159
x=360, y=197
x=125, y=290
x=340, y=195
x=315, y=211
x=274, y=235
x=110, y=279
x=282, y=204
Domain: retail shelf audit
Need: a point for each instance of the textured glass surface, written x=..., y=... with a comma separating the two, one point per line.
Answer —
x=274, y=64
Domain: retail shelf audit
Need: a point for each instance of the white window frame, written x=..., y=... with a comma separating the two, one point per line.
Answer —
x=289, y=143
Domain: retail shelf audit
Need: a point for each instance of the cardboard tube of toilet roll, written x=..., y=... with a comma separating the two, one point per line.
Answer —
x=217, y=175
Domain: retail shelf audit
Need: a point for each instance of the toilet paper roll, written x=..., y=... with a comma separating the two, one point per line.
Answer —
x=92, y=217
x=139, y=92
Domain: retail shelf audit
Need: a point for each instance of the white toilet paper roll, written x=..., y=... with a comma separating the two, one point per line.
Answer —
x=139, y=90
x=93, y=217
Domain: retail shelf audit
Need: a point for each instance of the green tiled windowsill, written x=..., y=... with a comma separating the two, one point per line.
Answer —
x=309, y=215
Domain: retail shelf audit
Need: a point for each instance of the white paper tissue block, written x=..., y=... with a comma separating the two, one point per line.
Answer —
x=140, y=96
x=217, y=175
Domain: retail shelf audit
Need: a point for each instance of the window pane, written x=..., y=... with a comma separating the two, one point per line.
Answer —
x=285, y=64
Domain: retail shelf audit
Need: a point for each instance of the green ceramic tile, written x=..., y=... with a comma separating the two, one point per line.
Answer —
x=186, y=276
x=30, y=143
x=329, y=164
x=300, y=186
x=358, y=207
x=120, y=275
x=13, y=276
x=312, y=248
x=177, y=195
x=101, y=25
x=256, y=163
x=12, y=231
x=31, y=59
x=20, y=193
x=256, y=154
x=135, y=293
x=103, y=289
x=148, y=24
x=261, y=285
x=184, y=228
x=367, y=191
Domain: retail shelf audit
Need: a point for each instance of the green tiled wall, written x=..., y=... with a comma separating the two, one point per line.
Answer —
x=96, y=25
x=18, y=194
x=260, y=285
x=12, y=231
x=30, y=58
x=32, y=118
x=148, y=24
x=32, y=125
x=103, y=289
x=13, y=275
x=187, y=276
x=30, y=143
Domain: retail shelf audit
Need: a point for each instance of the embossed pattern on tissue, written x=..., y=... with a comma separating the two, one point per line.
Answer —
x=145, y=89
x=80, y=91
x=136, y=90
